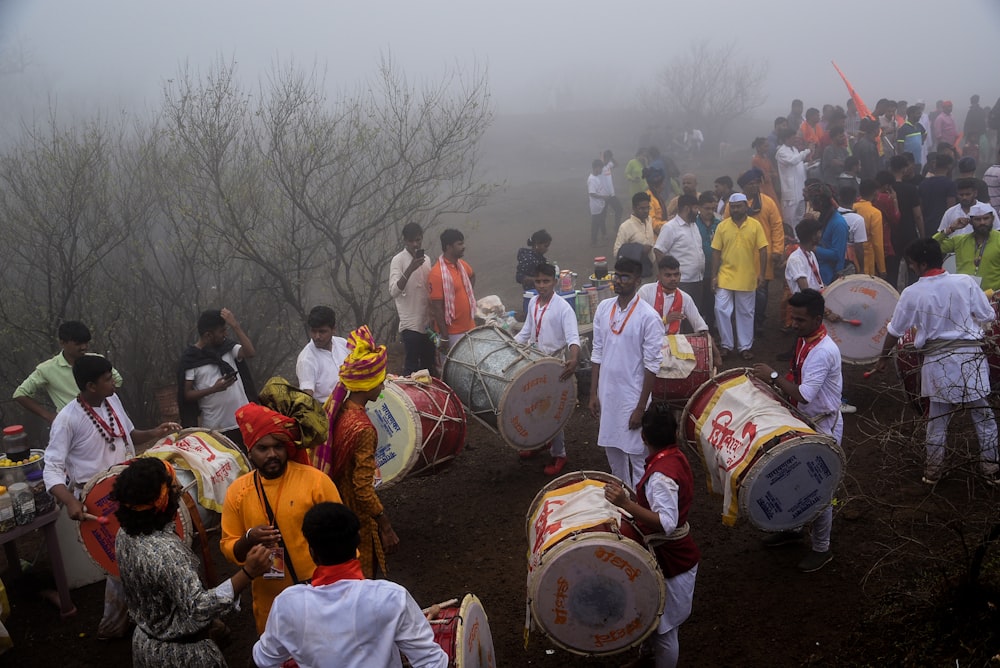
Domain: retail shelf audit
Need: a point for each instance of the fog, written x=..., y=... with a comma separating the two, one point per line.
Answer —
x=546, y=55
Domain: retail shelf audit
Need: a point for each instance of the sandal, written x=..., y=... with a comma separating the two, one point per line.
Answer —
x=746, y=355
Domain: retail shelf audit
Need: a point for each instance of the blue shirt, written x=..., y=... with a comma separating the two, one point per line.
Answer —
x=832, y=248
x=707, y=233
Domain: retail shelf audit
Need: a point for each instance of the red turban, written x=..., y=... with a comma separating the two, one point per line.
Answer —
x=256, y=422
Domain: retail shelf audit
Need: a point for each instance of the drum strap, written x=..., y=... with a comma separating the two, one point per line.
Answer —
x=654, y=539
x=199, y=526
x=940, y=345
x=273, y=521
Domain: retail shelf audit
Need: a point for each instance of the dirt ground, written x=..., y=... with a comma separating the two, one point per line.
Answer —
x=463, y=529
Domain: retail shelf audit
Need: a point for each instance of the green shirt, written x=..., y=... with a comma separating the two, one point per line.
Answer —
x=966, y=252
x=633, y=172
x=55, y=377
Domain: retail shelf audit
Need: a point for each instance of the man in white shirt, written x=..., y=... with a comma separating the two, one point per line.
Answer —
x=551, y=327
x=626, y=357
x=599, y=196
x=318, y=365
x=408, y=272
x=214, y=375
x=814, y=384
x=802, y=267
x=857, y=234
x=607, y=176
x=792, y=173
x=948, y=311
x=340, y=618
x=89, y=435
x=966, y=189
x=680, y=237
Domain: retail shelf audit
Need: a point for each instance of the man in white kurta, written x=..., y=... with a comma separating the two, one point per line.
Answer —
x=626, y=357
x=551, y=327
x=339, y=618
x=948, y=311
x=89, y=435
x=815, y=383
x=792, y=172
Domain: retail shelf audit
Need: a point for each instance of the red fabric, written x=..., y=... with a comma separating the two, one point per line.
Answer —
x=674, y=556
x=802, y=348
x=932, y=272
x=676, y=307
x=349, y=570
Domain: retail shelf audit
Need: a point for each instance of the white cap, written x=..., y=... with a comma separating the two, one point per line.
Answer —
x=737, y=197
x=980, y=209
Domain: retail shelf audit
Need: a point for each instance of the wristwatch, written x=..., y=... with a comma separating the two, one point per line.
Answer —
x=774, y=378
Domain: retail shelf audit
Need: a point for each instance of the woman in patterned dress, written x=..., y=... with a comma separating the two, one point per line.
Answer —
x=171, y=608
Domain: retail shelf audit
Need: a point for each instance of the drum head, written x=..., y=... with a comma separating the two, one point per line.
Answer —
x=536, y=404
x=399, y=435
x=866, y=299
x=596, y=594
x=790, y=484
x=99, y=539
x=474, y=642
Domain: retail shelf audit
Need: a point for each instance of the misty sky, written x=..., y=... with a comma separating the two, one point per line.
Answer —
x=118, y=52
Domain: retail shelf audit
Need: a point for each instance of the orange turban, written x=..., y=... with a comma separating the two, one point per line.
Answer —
x=256, y=422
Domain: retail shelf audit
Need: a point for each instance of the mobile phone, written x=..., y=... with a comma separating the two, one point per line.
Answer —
x=230, y=376
x=419, y=253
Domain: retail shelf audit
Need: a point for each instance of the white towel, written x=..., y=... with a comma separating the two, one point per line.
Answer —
x=679, y=359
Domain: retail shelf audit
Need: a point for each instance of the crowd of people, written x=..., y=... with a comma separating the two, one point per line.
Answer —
x=826, y=194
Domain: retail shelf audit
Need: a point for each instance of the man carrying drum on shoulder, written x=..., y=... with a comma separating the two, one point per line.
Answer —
x=814, y=385
x=551, y=327
x=948, y=311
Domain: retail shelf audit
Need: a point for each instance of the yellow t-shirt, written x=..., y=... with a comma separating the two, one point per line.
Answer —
x=302, y=487
x=740, y=247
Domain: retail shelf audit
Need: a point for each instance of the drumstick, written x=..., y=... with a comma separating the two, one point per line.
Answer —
x=100, y=520
x=856, y=323
x=446, y=604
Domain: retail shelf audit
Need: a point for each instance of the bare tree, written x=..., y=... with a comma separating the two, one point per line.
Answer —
x=707, y=86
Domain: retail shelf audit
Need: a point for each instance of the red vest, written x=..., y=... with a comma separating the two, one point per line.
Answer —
x=674, y=556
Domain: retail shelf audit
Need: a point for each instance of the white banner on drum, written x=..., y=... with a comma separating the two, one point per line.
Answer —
x=573, y=508
x=732, y=429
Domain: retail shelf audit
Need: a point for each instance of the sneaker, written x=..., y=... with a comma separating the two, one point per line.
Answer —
x=556, y=467
x=782, y=538
x=847, y=408
x=815, y=561
x=929, y=480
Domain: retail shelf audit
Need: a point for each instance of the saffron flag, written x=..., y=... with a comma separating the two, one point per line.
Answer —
x=858, y=102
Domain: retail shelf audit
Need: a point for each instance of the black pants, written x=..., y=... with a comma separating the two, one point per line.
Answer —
x=420, y=353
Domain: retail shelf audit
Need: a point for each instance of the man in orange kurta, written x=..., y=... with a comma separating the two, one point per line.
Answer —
x=451, y=282
x=767, y=168
x=348, y=456
x=288, y=488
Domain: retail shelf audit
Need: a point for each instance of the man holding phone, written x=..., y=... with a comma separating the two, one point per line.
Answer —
x=408, y=273
x=211, y=379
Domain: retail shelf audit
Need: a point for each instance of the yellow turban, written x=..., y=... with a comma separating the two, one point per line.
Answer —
x=364, y=368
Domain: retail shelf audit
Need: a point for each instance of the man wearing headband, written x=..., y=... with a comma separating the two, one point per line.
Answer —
x=266, y=506
x=348, y=456
x=90, y=435
x=976, y=254
x=173, y=611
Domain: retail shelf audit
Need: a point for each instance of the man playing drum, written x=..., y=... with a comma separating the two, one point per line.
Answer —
x=341, y=618
x=90, y=435
x=664, y=496
x=673, y=305
x=814, y=385
x=559, y=333
x=948, y=311
x=628, y=334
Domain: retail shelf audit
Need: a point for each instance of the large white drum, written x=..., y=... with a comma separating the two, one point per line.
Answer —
x=513, y=390
x=868, y=303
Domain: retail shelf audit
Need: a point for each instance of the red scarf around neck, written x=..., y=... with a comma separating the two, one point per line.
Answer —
x=932, y=272
x=802, y=348
x=677, y=307
x=349, y=570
